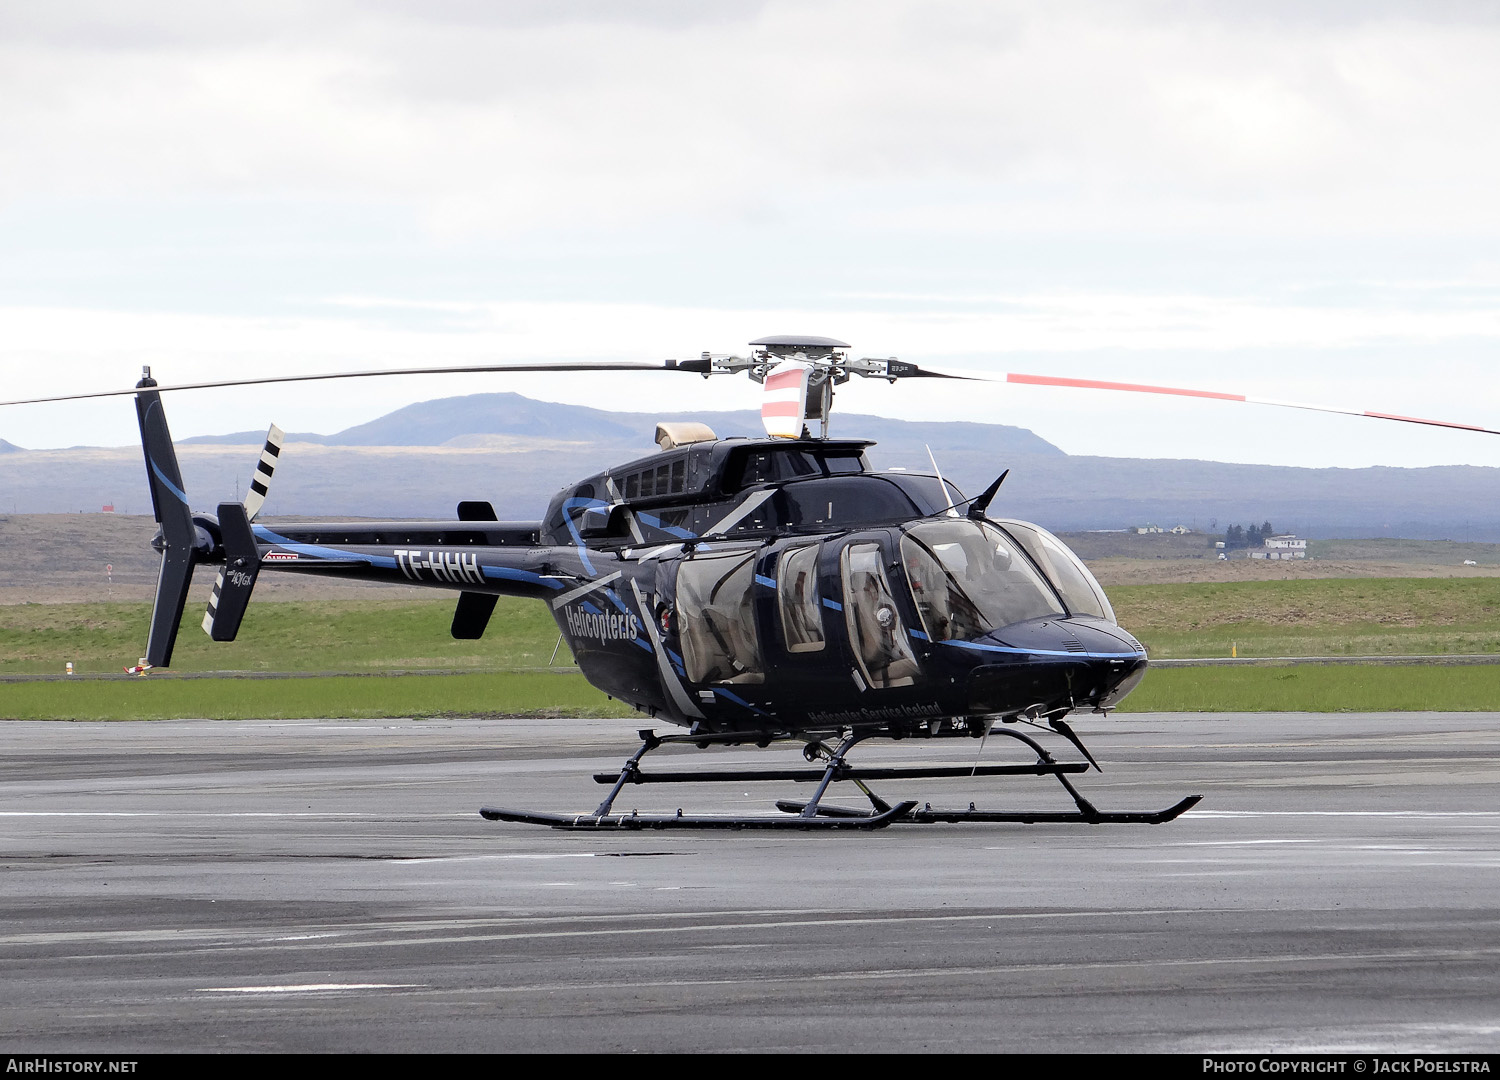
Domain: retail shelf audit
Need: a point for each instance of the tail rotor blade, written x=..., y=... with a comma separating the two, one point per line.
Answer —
x=263, y=471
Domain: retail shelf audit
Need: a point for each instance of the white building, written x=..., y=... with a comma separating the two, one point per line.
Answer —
x=1285, y=546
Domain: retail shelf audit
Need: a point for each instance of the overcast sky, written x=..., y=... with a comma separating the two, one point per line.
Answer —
x=1289, y=200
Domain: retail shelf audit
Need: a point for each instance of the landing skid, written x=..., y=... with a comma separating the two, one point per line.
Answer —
x=813, y=815
x=928, y=816
x=704, y=821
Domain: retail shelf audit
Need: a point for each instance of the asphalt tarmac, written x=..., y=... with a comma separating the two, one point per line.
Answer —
x=330, y=886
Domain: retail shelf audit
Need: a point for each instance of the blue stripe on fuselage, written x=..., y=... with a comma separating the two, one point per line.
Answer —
x=1011, y=650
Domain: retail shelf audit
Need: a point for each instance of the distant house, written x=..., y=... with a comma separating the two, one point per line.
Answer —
x=1144, y=529
x=1180, y=530
x=1285, y=546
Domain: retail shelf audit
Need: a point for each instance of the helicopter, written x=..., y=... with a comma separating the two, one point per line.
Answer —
x=746, y=591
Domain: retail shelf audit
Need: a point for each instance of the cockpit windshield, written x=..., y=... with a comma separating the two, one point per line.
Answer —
x=968, y=577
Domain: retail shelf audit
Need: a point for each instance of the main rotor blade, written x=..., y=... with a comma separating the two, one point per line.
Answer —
x=1178, y=391
x=483, y=369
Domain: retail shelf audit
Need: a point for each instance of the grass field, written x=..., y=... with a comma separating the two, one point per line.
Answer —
x=313, y=635
x=1319, y=688
x=498, y=675
x=1314, y=617
x=1294, y=688
x=513, y=693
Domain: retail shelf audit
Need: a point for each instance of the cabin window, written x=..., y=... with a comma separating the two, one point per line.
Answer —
x=967, y=577
x=797, y=597
x=771, y=466
x=875, y=627
x=776, y=465
x=716, y=619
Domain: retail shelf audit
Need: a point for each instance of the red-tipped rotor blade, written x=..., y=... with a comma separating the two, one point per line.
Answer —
x=1178, y=391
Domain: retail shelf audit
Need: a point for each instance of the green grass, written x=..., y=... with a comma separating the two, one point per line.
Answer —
x=157, y=697
x=1319, y=688
x=326, y=635
x=1314, y=617
x=1295, y=688
x=1269, y=618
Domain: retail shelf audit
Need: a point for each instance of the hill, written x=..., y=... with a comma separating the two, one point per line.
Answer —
x=421, y=460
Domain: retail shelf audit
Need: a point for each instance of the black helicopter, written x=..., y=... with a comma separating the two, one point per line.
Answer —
x=749, y=591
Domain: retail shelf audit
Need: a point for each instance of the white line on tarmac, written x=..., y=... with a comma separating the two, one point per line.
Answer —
x=303, y=988
x=485, y=858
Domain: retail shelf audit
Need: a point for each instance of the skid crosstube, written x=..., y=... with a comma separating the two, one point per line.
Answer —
x=810, y=776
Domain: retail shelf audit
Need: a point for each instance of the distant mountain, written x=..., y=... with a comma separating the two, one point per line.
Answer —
x=455, y=421
x=433, y=423
x=250, y=438
x=9, y=448
x=421, y=460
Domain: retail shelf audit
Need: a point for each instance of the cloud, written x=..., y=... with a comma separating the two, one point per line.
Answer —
x=515, y=117
x=1286, y=199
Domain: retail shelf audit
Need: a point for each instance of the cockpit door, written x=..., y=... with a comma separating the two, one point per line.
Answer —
x=877, y=633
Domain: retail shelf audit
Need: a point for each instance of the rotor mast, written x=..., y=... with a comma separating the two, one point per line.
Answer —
x=827, y=361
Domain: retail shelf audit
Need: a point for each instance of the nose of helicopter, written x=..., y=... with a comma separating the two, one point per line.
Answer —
x=1054, y=663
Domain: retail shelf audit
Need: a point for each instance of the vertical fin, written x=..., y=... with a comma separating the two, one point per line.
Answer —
x=180, y=543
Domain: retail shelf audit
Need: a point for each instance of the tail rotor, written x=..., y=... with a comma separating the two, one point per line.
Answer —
x=231, y=595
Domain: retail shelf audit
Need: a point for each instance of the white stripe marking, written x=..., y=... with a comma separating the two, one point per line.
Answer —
x=743, y=510
x=574, y=594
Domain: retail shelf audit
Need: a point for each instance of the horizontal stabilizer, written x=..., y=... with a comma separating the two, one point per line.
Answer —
x=476, y=511
x=472, y=615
